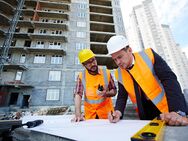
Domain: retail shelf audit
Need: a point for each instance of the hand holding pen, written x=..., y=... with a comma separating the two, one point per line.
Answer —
x=114, y=116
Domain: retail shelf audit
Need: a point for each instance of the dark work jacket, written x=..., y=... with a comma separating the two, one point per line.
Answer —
x=172, y=88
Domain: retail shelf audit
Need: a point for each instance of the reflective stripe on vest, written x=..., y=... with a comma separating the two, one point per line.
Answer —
x=84, y=84
x=120, y=79
x=120, y=76
x=150, y=65
x=147, y=60
x=94, y=101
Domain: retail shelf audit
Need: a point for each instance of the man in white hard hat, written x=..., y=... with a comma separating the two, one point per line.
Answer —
x=149, y=82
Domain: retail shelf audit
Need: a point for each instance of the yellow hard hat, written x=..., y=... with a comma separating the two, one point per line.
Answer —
x=85, y=55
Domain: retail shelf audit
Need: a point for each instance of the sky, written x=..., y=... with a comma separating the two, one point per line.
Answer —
x=171, y=12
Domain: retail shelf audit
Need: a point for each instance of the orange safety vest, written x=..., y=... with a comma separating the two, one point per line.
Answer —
x=93, y=103
x=144, y=75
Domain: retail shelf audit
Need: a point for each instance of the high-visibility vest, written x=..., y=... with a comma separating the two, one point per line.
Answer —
x=144, y=74
x=93, y=103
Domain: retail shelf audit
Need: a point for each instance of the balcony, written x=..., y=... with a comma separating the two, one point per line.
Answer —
x=14, y=66
x=53, y=15
x=101, y=18
x=100, y=2
x=35, y=24
x=48, y=36
x=106, y=61
x=100, y=37
x=60, y=6
x=12, y=2
x=62, y=26
x=16, y=84
x=46, y=50
x=99, y=48
x=50, y=4
x=34, y=49
x=6, y=8
x=2, y=33
x=100, y=9
x=24, y=23
x=97, y=26
x=28, y=12
x=21, y=35
x=31, y=3
x=4, y=20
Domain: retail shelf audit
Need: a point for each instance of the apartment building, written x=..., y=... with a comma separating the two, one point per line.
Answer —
x=177, y=60
x=40, y=40
x=147, y=32
x=146, y=27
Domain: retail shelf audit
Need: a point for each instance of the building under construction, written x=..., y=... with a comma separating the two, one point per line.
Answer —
x=39, y=42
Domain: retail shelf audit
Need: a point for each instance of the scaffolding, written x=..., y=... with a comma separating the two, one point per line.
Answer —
x=9, y=35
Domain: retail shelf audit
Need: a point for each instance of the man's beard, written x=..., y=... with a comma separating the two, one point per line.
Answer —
x=93, y=69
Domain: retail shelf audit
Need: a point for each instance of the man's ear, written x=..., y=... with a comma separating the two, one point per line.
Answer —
x=129, y=49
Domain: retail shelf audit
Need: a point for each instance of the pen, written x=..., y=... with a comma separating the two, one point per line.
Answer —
x=112, y=115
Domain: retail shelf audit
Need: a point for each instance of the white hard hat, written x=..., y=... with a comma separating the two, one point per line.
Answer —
x=116, y=43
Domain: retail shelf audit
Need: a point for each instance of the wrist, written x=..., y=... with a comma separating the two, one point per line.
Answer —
x=78, y=113
x=183, y=114
x=107, y=93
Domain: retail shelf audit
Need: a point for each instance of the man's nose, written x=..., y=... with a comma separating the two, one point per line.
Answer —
x=117, y=61
x=93, y=63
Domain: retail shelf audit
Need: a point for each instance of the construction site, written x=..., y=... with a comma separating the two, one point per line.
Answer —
x=39, y=66
x=40, y=41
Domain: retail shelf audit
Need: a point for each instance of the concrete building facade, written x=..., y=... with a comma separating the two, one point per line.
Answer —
x=40, y=52
x=175, y=57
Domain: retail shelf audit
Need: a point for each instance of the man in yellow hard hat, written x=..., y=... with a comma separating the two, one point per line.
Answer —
x=98, y=87
x=149, y=82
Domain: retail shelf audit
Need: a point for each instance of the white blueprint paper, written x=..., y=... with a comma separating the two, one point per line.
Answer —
x=90, y=130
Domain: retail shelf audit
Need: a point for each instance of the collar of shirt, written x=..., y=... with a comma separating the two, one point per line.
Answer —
x=132, y=65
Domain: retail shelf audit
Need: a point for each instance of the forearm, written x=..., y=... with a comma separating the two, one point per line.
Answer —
x=77, y=101
x=120, y=105
x=78, y=115
x=121, y=99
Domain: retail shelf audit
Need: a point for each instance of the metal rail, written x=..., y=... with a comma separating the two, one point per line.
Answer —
x=9, y=35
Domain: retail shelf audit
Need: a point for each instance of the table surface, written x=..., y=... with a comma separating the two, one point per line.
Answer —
x=99, y=129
